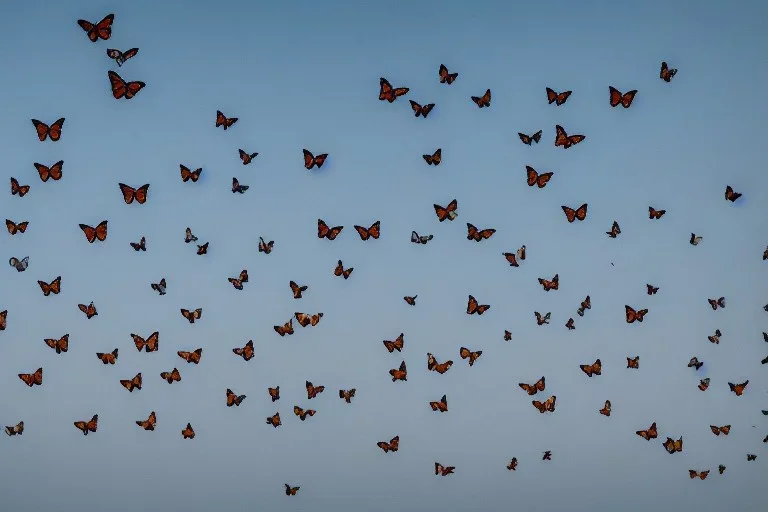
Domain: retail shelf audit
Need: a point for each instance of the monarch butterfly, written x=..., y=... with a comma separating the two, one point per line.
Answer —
x=274, y=393
x=237, y=187
x=617, y=97
x=107, y=357
x=286, y=329
x=435, y=158
x=159, y=287
x=730, y=195
x=246, y=157
x=340, y=271
x=387, y=92
x=14, y=228
x=484, y=100
x=191, y=316
x=44, y=131
x=512, y=466
x=579, y=213
x=291, y=491
x=53, y=172
x=233, y=399
x=530, y=139
x=633, y=314
x=88, y=426
x=721, y=469
x=585, y=304
x=311, y=160
x=445, y=76
x=305, y=319
x=673, y=446
x=441, y=406
x=191, y=357
x=421, y=110
x=149, y=423
x=18, y=190
x=3, y=319
x=397, y=344
x=704, y=384
x=392, y=446
x=347, y=394
x=738, y=389
x=512, y=257
x=633, y=362
x=751, y=456
x=237, y=282
x=246, y=352
x=532, y=389
x=222, y=120
x=449, y=212
x=695, y=363
x=702, y=475
x=477, y=235
x=323, y=231
x=99, y=232
x=547, y=455
x=565, y=140
x=123, y=89
x=606, y=410
x=188, y=432
x=651, y=290
x=443, y=470
x=151, y=344
x=547, y=405
x=650, y=433
x=654, y=214
x=474, y=308
x=312, y=390
x=187, y=174
x=131, y=384
x=715, y=303
x=372, y=232
x=558, y=97
x=725, y=430
x=189, y=237
x=297, y=290
x=89, y=310
x=420, y=239
x=120, y=57
x=666, y=74
x=534, y=178
x=541, y=320
x=695, y=240
x=266, y=247
x=302, y=414
x=17, y=429
x=554, y=284
x=100, y=30
x=274, y=420
x=400, y=373
x=569, y=324
x=60, y=345
x=130, y=193
x=471, y=356
x=433, y=365
x=171, y=376
x=410, y=300
x=595, y=368
x=615, y=230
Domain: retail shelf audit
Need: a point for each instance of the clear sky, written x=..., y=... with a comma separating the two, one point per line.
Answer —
x=306, y=75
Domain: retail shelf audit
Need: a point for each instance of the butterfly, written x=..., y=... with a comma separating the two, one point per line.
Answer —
x=141, y=246
x=693, y=474
x=606, y=410
x=751, y=456
x=171, y=376
x=666, y=74
x=123, y=89
x=534, y=178
x=560, y=97
x=651, y=290
x=187, y=174
x=151, y=344
x=695, y=239
x=721, y=469
x=188, y=432
x=246, y=352
x=530, y=139
x=312, y=390
x=291, y=491
x=282, y=330
x=52, y=287
x=311, y=160
x=435, y=158
x=512, y=257
x=202, y=249
x=625, y=99
x=725, y=430
x=655, y=214
x=443, y=470
x=441, y=406
x=477, y=235
x=237, y=187
x=18, y=190
x=274, y=393
x=53, y=172
x=347, y=394
x=387, y=92
x=391, y=446
x=246, y=157
x=554, y=284
x=730, y=195
x=433, y=365
x=397, y=344
x=107, y=357
x=400, y=373
x=222, y=120
x=507, y=336
x=100, y=30
x=120, y=57
x=419, y=110
x=565, y=140
x=569, y=324
x=130, y=193
x=420, y=239
x=44, y=131
x=189, y=237
x=17, y=429
x=532, y=389
x=410, y=300
x=651, y=433
x=297, y=290
x=149, y=423
x=484, y=100
x=449, y=212
x=633, y=314
x=91, y=233
x=541, y=320
x=131, y=384
x=715, y=303
x=372, y=232
x=473, y=307
x=738, y=389
x=547, y=405
x=694, y=363
x=237, y=282
x=340, y=271
x=89, y=310
x=615, y=230
x=323, y=231
x=3, y=319
x=14, y=228
x=673, y=446
x=633, y=362
x=512, y=466
x=159, y=287
x=305, y=319
x=445, y=76
x=595, y=368
x=88, y=426
x=579, y=213
x=265, y=247
x=704, y=384
x=585, y=305
x=465, y=353
x=191, y=357
x=547, y=455
x=302, y=414
x=233, y=399
x=191, y=316
x=59, y=345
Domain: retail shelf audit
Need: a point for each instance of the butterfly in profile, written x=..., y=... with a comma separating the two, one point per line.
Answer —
x=141, y=246
x=565, y=140
x=14, y=228
x=650, y=433
x=171, y=376
x=411, y=301
x=100, y=30
x=59, y=345
x=237, y=187
x=547, y=405
x=474, y=308
x=372, y=232
x=554, y=284
x=392, y=446
x=445, y=76
x=632, y=314
x=534, y=178
x=131, y=384
x=234, y=399
x=323, y=231
x=421, y=110
x=188, y=432
x=44, y=131
x=512, y=466
x=695, y=363
x=673, y=446
x=187, y=174
x=159, y=287
x=449, y=212
x=149, y=423
x=286, y=329
x=123, y=89
x=530, y=139
x=716, y=303
x=595, y=368
x=557, y=97
x=246, y=157
x=434, y=366
x=606, y=410
x=54, y=172
x=297, y=290
x=120, y=57
x=443, y=470
x=651, y=290
x=615, y=230
x=237, y=282
x=478, y=234
x=397, y=344
x=704, y=384
x=633, y=362
x=484, y=100
x=389, y=93
x=435, y=158
x=654, y=214
x=569, y=324
x=730, y=195
x=340, y=271
x=305, y=319
x=347, y=394
x=54, y=287
x=108, y=357
x=695, y=240
x=266, y=247
x=3, y=319
x=18, y=190
x=302, y=413
x=14, y=430
x=721, y=469
x=223, y=121
x=738, y=389
x=585, y=305
x=89, y=310
x=617, y=97
x=541, y=320
x=532, y=389
x=400, y=373
x=725, y=429
x=420, y=239
x=667, y=73
x=88, y=426
x=189, y=237
x=92, y=234
x=312, y=390
x=246, y=351
x=311, y=160
x=701, y=474
x=470, y=355
x=512, y=257
x=191, y=357
x=151, y=344
x=191, y=316
x=547, y=455
x=441, y=405
x=274, y=393
x=130, y=193
x=579, y=213
x=291, y=491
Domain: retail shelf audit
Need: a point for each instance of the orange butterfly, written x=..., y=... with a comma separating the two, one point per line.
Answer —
x=120, y=57
x=149, y=423
x=397, y=344
x=282, y=330
x=88, y=426
x=534, y=178
x=443, y=470
x=554, y=284
x=237, y=187
x=191, y=316
x=651, y=290
x=441, y=406
x=151, y=344
x=560, y=98
x=615, y=230
x=171, y=376
x=224, y=121
x=477, y=235
x=91, y=233
x=134, y=383
x=347, y=394
x=340, y=271
x=715, y=303
x=265, y=247
x=313, y=391
x=513, y=257
x=89, y=310
x=695, y=239
x=721, y=468
x=410, y=300
x=233, y=399
x=246, y=157
x=435, y=158
x=595, y=368
x=323, y=231
x=130, y=193
x=17, y=429
x=14, y=228
x=565, y=140
x=512, y=466
x=202, y=249
x=695, y=363
x=60, y=345
x=579, y=213
x=433, y=365
x=107, y=357
x=541, y=320
x=237, y=282
x=302, y=414
x=141, y=246
x=18, y=190
x=530, y=139
x=649, y=434
x=693, y=474
x=738, y=389
x=400, y=373
x=305, y=319
x=617, y=97
x=274, y=393
x=387, y=92
x=473, y=307
x=673, y=446
x=569, y=324
x=246, y=352
x=655, y=214
x=3, y=319
x=606, y=410
x=633, y=314
x=311, y=160
x=547, y=405
x=372, y=232
x=191, y=357
x=391, y=446
x=445, y=76
x=100, y=30
x=123, y=89
x=666, y=74
x=585, y=304
x=730, y=195
x=188, y=432
x=53, y=172
x=633, y=362
x=751, y=456
x=715, y=338
x=187, y=174
x=291, y=491
x=465, y=353
x=44, y=131
x=296, y=289
x=421, y=110
x=725, y=430
x=484, y=100
x=532, y=389
x=54, y=286
x=448, y=212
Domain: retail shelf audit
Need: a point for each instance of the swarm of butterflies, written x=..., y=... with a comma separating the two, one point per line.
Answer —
x=127, y=90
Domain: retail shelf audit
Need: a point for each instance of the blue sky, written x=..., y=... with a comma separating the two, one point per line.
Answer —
x=306, y=75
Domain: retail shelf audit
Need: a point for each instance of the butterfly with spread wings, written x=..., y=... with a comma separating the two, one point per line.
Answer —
x=557, y=97
x=410, y=300
x=266, y=247
x=547, y=405
x=14, y=228
x=88, y=426
x=59, y=345
x=131, y=384
x=579, y=213
x=305, y=319
x=191, y=357
x=470, y=355
x=650, y=433
x=130, y=193
x=651, y=290
x=246, y=157
x=171, y=376
x=340, y=271
x=18, y=190
x=738, y=389
x=616, y=97
x=532, y=389
x=187, y=174
x=478, y=234
x=100, y=30
x=140, y=246
x=633, y=362
x=120, y=57
x=484, y=100
x=149, y=423
x=392, y=446
x=530, y=139
x=448, y=212
x=632, y=314
x=44, y=131
x=445, y=76
x=224, y=121
x=246, y=351
x=595, y=368
x=237, y=187
x=108, y=357
x=434, y=366
x=553, y=284
x=715, y=338
x=725, y=429
x=123, y=89
x=564, y=140
x=297, y=290
x=389, y=93
x=701, y=474
x=615, y=230
x=347, y=394
x=159, y=287
x=89, y=310
x=312, y=390
x=695, y=363
x=716, y=303
x=323, y=231
x=190, y=315
x=666, y=73
x=234, y=399
x=730, y=195
x=237, y=282
x=286, y=329
x=397, y=344
x=202, y=249
x=654, y=214
x=54, y=287
x=421, y=110
x=291, y=491
x=14, y=430
x=443, y=470
x=311, y=160
x=274, y=393
x=92, y=234
x=372, y=232
x=512, y=257
x=303, y=413
x=536, y=179
x=672, y=445
x=474, y=308
x=54, y=172
x=400, y=373
x=441, y=405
